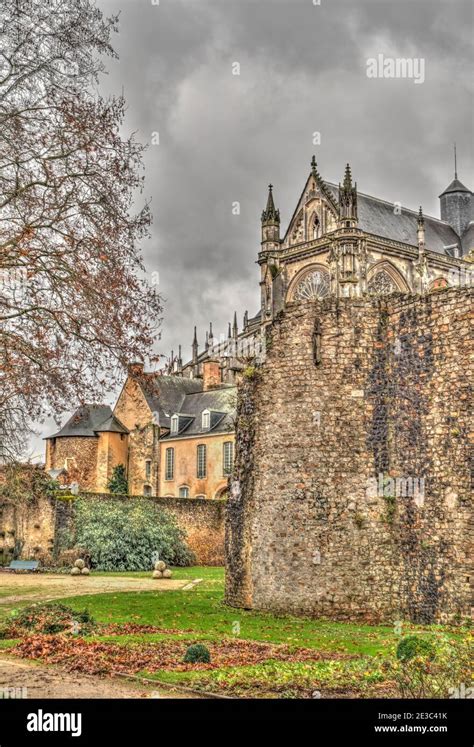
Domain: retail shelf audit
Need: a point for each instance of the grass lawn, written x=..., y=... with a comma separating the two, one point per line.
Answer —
x=202, y=610
x=352, y=654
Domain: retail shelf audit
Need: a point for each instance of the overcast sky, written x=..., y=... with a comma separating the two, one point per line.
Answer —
x=224, y=137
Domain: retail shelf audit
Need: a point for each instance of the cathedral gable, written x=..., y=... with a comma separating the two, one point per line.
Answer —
x=315, y=214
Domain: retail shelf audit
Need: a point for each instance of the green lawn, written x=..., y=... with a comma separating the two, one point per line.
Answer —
x=199, y=614
x=202, y=609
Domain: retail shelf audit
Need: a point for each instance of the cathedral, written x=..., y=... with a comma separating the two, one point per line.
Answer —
x=173, y=430
x=345, y=243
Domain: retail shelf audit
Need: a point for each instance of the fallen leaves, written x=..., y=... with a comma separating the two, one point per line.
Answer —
x=99, y=657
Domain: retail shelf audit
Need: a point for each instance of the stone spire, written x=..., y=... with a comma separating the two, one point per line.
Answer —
x=270, y=214
x=421, y=231
x=235, y=328
x=179, y=361
x=195, y=347
x=421, y=264
x=210, y=339
x=348, y=201
x=270, y=224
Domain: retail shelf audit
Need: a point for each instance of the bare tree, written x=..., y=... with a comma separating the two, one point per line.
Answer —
x=74, y=302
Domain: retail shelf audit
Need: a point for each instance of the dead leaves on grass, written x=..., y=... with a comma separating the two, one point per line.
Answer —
x=98, y=657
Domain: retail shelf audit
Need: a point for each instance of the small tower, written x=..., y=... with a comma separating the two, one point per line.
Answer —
x=179, y=362
x=270, y=224
x=456, y=202
x=348, y=201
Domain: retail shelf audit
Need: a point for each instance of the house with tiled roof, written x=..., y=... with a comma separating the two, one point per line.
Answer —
x=174, y=436
x=88, y=447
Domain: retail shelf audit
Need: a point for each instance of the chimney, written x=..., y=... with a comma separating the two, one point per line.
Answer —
x=135, y=369
x=211, y=375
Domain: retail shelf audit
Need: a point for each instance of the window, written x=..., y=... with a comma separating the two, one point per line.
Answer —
x=148, y=469
x=184, y=491
x=201, y=496
x=316, y=227
x=228, y=457
x=201, y=461
x=147, y=490
x=174, y=425
x=206, y=420
x=169, y=464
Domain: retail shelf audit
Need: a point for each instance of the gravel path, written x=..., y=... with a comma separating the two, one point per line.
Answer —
x=44, y=587
x=43, y=681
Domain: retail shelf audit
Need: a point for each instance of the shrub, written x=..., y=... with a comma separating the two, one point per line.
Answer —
x=118, y=482
x=413, y=646
x=51, y=617
x=124, y=535
x=444, y=675
x=197, y=654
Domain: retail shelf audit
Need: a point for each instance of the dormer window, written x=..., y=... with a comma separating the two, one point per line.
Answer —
x=206, y=420
x=174, y=425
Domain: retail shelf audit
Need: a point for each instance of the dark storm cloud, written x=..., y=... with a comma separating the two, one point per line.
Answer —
x=224, y=137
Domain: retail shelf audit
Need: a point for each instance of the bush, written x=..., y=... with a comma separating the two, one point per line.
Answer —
x=47, y=618
x=435, y=674
x=413, y=646
x=197, y=654
x=124, y=535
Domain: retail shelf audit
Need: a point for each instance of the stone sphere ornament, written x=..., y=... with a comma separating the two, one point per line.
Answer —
x=75, y=571
x=167, y=573
x=85, y=571
x=157, y=574
x=160, y=565
x=79, y=563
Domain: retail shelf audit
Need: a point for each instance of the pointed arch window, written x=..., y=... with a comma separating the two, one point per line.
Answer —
x=381, y=283
x=315, y=227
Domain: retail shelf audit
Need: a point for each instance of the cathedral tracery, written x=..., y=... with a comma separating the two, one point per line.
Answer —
x=381, y=283
x=315, y=284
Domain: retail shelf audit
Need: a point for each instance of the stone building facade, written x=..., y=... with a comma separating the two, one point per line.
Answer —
x=343, y=243
x=88, y=447
x=173, y=435
x=352, y=496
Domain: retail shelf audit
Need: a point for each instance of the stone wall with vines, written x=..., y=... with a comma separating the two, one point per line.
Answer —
x=352, y=491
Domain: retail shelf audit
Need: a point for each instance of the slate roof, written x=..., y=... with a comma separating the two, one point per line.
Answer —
x=165, y=394
x=220, y=402
x=377, y=217
x=455, y=186
x=89, y=420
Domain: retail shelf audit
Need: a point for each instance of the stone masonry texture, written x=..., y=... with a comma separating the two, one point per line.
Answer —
x=316, y=521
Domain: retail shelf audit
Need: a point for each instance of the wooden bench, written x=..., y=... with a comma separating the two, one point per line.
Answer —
x=23, y=565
